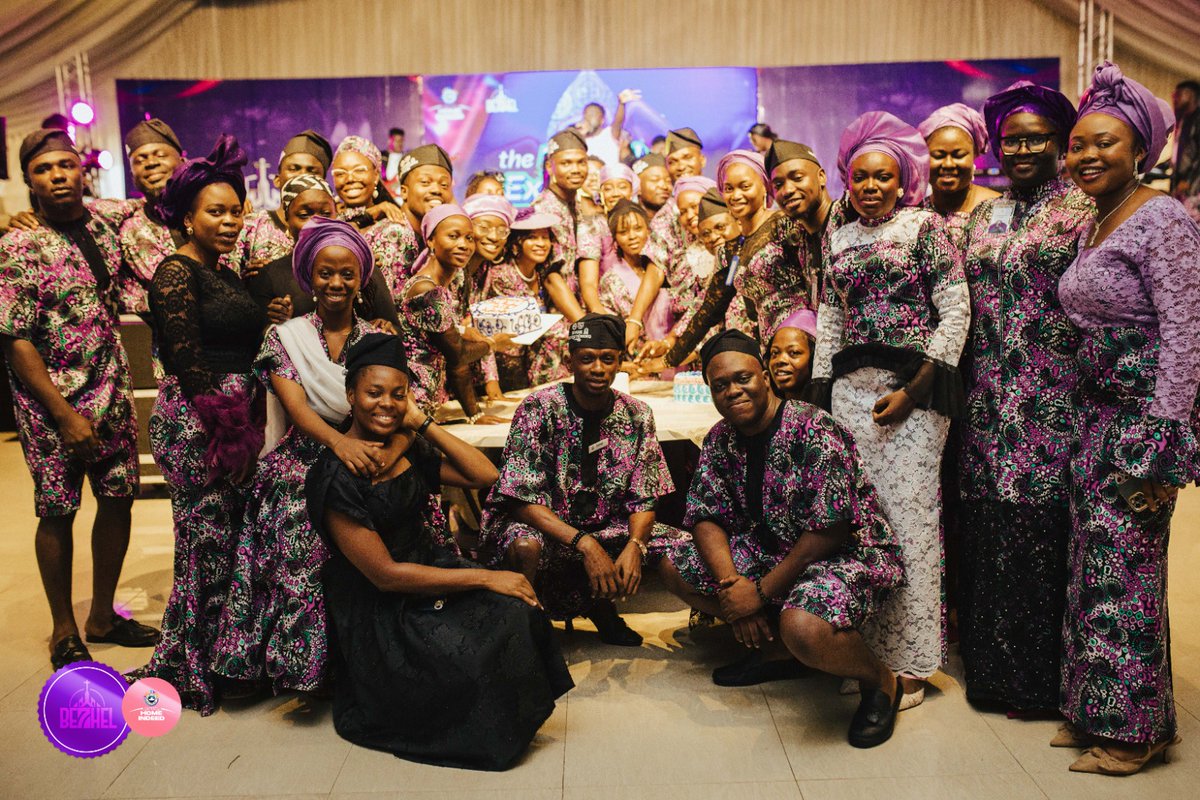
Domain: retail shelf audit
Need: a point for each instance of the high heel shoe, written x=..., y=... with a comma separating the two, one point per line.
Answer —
x=1070, y=736
x=1099, y=761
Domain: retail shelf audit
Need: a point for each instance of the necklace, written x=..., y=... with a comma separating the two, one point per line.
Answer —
x=526, y=278
x=1100, y=222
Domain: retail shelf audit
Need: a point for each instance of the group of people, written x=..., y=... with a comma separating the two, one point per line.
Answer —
x=924, y=385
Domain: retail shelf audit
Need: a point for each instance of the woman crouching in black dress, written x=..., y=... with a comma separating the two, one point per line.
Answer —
x=435, y=659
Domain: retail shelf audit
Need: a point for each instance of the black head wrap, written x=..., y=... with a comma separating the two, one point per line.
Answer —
x=647, y=161
x=376, y=349
x=223, y=165
x=565, y=140
x=622, y=209
x=712, y=204
x=425, y=155
x=597, y=331
x=783, y=150
x=683, y=137
x=151, y=131
x=728, y=340
x=763, y=129
x=312, y=143
x=43, y=140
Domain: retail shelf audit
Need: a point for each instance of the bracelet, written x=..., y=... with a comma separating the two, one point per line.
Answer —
x=578, y=536
x=473, y=418
x=638, y=322
x=424, y=426
x=766, y=601
x=641, y=546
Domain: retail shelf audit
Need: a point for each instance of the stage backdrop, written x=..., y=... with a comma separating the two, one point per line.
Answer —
x=264, y=114
x=501, y=121
x=814, y=104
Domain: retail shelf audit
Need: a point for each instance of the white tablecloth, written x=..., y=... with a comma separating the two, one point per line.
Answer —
x=674, y=421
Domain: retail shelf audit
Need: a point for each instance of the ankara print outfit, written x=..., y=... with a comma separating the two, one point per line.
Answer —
x=58, y=291
x=395, y=246
x=273, y=624
x=546, y=463
x=542, y=361
x=778, y=273
x=1015, y=445
x=1137, y=298
x=264, y=238
x=667, y=238
x=809, y=475
x=895, y=298
x=956, y=223
x=421, y=317
x=209, y=329
x=576, y=238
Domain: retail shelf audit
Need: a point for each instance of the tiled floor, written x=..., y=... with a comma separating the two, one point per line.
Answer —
x=646, y=723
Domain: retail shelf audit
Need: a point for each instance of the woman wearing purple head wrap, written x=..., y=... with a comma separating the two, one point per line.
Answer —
x=430, y=314
x=1134, y=291
x=618, y=182
x=268, y=611
x=1013, y=454
x=890, y=330
x=204, y=431
x=956, y=136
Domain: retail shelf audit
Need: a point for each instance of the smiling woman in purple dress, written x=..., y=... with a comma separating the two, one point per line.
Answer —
x=1134, y=290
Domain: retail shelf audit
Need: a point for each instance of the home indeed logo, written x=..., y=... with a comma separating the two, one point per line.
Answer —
x=500, y=103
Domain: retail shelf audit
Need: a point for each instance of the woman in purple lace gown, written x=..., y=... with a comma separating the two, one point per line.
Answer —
x=1134, y=290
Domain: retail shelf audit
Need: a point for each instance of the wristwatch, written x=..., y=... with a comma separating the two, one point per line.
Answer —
x=424, y=426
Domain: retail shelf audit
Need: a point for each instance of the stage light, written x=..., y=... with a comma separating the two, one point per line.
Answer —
x=105, y=159
x=82, y=113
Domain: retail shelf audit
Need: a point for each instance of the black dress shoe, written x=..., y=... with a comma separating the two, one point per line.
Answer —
x=611, y=627
x=753, y=670
x=875, y=718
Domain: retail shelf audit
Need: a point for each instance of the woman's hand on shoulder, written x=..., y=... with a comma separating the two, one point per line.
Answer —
x=362, y=458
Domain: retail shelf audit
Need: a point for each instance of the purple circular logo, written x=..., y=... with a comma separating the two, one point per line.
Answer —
x=80, y=709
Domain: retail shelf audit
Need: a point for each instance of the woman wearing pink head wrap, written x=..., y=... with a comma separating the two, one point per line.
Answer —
x=302, y=362
x=363, y=201
x=1134, y=291
x=429, y=316
x=491, y=218
x=789, y=354
x=612, y=189
x=890, y=331
x=956, y=136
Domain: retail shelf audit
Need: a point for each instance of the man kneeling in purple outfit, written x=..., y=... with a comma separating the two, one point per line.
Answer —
x=788, y=535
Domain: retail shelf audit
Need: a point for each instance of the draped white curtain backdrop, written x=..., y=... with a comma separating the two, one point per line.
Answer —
x=1157, y=41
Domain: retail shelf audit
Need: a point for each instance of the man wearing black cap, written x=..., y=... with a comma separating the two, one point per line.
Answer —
x=574, y=507
x=577, y=243
x=265, y=236
x=685, y=156
x=797, y=183
x=71, y=388
x=426, y=180
x=788, y=537
x=654, y=182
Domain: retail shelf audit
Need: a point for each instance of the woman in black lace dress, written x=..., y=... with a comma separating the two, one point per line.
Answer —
x=435, y=659
x=206, y=428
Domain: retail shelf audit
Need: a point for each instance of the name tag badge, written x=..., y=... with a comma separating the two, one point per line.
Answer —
x=600, y=445
x=1002, y=216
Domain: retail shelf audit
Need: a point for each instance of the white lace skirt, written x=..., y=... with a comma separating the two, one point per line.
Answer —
x=903, y=461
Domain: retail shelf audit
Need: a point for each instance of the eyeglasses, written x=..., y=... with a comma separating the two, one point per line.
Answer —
x=490, y=231
x=1036, y=143
x=359, y=173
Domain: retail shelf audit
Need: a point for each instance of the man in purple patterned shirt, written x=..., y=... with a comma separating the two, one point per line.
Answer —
x=71, y=386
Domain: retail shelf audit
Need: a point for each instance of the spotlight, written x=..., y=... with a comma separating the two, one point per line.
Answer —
x=82, y=113
x=105, y=159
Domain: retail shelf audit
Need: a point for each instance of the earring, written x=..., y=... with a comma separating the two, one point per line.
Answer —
x=189, y=230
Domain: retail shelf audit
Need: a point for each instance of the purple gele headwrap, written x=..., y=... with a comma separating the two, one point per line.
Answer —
x=1027, y=97
x=881, y=132
x=434, y=217
x=749, y=158
x=321, y=232
x=488, y=205
x=957, y=115
x=621, y=172
x=802, y=318
x=223, y=165
x=693, y=183
x=357, y=144
x=1129, y=101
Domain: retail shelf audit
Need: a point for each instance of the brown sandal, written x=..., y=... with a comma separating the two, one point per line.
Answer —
x=1070, y=736
x=1099, y=761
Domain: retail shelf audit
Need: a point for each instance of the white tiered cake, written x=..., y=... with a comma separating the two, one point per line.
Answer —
x=512, y=315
